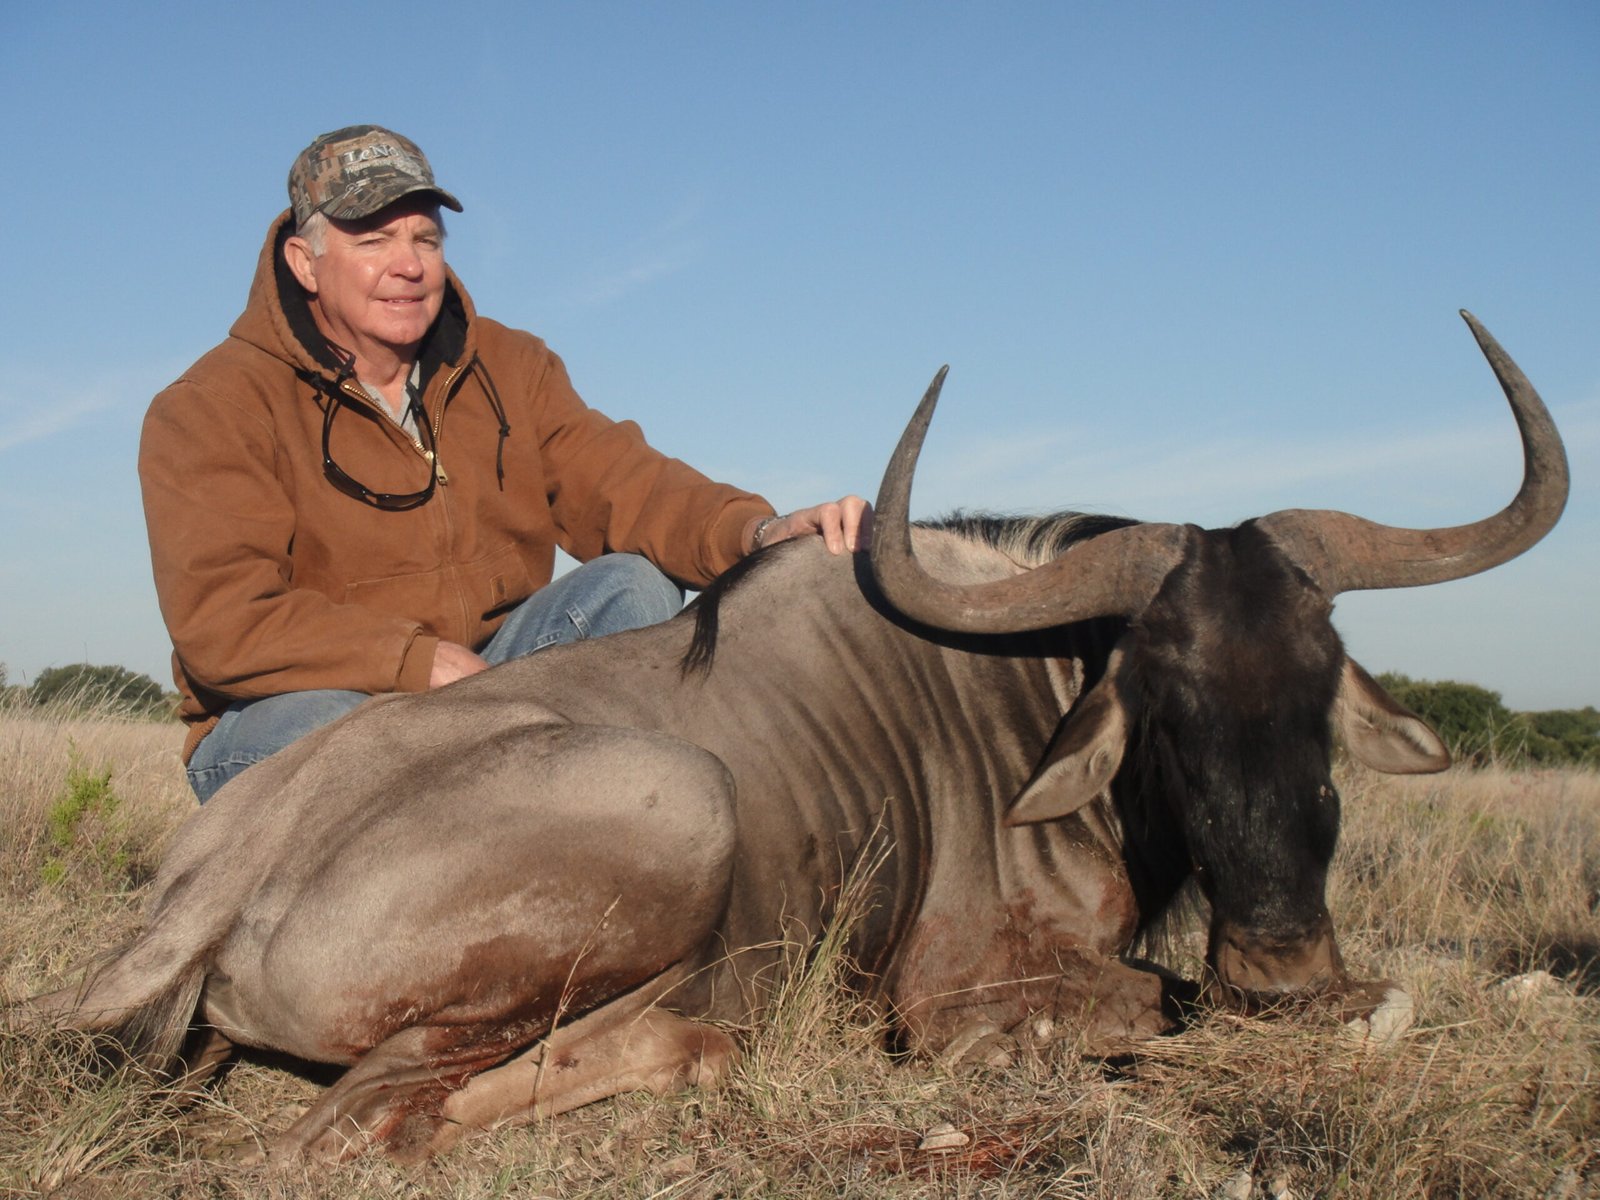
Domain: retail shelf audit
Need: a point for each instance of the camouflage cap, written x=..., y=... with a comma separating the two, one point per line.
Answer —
x=353, y=172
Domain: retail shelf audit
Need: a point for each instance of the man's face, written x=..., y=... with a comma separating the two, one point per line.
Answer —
x=379, y=281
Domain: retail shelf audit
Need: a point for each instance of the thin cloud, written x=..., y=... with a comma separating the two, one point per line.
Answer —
x=37, y=410
x=669, y=248
x=36, y=419
x=658, y=263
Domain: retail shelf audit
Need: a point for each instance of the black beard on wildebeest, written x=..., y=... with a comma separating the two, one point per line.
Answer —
x=566, y=877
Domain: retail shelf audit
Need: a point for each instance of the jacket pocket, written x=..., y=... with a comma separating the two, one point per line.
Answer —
x=460, y=602
x=423, y=596
x=499, y=581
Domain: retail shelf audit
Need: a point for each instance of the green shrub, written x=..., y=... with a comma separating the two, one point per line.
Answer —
x=1568, y=735
x=82, y=826
x=1473, y=721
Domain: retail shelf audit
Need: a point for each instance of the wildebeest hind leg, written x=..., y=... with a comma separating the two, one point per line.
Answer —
x=396, y=1087
x=626, y=1045
x=202, y=1058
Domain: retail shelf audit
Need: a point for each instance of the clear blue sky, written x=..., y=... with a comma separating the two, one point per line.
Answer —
x=1187, y=262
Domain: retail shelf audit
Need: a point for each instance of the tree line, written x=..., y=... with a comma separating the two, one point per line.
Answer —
x=1479, y=729
x=82, y=687
x=1474, y=721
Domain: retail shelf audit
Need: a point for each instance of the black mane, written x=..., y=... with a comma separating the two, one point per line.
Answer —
x=1028, y=541
x=707, y=607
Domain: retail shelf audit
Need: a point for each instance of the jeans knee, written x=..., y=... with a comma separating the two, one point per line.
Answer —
x=251, y=730
x=206, y=782
x=641, y=584
x=609, y=594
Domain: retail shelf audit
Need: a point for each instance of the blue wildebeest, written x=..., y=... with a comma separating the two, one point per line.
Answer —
x=565, y=877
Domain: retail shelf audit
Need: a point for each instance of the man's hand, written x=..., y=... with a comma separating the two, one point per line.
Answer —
x=452, y=662
x=844, y=525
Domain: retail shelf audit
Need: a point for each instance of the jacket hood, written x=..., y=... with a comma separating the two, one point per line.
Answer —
x=277, y=319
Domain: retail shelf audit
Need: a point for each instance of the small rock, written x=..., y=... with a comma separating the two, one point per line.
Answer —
x=1521, y=987
x=679, y=1167
x=1238, y=1187
x=943, y=1137
x=1279, y=1188
x=1384, y=1025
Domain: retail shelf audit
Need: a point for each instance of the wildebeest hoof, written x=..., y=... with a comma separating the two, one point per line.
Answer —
x=1378, y=1013
x=249, y=1153
x=981, y=1044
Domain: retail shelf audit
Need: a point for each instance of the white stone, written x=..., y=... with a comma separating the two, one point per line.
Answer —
x=1521, y=987
x=943, y=1137
x=1384, y=1025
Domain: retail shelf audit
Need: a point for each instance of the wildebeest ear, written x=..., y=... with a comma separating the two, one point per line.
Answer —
x=1080, y=760
x=1379, y=732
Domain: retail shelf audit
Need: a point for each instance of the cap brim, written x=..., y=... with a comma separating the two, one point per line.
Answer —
x=372, y=200
x=446, y=199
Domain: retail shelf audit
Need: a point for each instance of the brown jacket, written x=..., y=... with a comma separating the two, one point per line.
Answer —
x=273, y=580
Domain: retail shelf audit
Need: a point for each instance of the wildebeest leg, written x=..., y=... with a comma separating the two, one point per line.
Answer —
x=1036, y=960
x=202, y=1060
x=395, y=1080
x=1101, y=1003
x=1120, y=1004
x=626, y=1045
x=596, y=860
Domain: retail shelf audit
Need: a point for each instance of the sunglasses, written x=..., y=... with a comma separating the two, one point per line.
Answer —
x=354, y=488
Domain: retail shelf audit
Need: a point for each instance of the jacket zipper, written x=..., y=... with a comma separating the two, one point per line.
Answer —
x=467, y=623
x=438, y=423
x=355, y=391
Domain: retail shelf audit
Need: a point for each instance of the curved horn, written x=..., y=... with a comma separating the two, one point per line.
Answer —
x=1345, y=553
x=1115, y=573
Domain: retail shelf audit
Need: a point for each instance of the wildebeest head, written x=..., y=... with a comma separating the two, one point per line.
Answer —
x=1218, y=704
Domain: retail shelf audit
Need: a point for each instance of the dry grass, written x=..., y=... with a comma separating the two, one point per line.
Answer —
x=1456, y=884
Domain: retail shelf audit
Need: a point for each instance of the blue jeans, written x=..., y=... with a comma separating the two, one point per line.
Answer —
x=610, y=594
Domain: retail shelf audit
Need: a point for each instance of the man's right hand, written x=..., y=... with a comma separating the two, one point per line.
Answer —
x=452, y=662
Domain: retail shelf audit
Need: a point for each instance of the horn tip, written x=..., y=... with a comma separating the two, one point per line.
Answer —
x=1483, y=337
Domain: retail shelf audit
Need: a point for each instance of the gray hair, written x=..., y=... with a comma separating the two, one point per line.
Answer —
x=315, y=231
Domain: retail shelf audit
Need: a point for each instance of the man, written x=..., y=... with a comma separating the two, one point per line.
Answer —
x=361, y=490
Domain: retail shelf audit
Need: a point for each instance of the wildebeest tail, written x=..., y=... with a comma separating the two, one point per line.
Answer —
x=142, y=998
